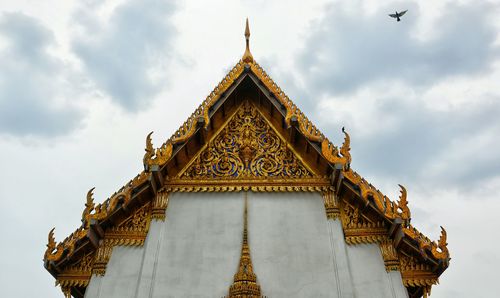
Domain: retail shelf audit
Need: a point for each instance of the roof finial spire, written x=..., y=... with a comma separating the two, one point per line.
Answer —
x=247, y=56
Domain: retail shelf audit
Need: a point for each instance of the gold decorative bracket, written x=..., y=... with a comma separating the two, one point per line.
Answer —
x=331, y=204
x=160, y=204
x=390, y=255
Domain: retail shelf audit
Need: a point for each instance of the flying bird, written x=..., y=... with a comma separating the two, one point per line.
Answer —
x=397, y=15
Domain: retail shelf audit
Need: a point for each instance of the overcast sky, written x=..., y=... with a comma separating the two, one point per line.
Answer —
x=83, y=82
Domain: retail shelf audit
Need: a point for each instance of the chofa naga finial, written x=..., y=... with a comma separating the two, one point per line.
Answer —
x=247, y=56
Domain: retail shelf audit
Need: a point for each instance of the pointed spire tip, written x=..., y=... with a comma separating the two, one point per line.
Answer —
x=247, y=56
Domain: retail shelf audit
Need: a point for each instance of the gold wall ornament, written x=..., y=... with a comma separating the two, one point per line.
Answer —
x=245, y=281
x=417, y=274
x=358, y=229
x=160, y=204
x=77, y=275
x=331, y=204
x=390, y=255
x=103, y=254
x=255, y=185
x=247, y=147
x=156, y=157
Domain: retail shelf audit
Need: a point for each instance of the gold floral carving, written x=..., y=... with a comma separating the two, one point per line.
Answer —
x=391, y=210
x=160, y=204
x=247, y=148
x=358, y=229
x=390, y=255
x=331, y=153
x=331, y=204
x=245, y=281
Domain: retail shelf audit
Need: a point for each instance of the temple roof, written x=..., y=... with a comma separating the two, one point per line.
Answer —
x=329, y=165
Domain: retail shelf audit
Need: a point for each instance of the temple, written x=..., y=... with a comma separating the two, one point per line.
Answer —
x=247, y=199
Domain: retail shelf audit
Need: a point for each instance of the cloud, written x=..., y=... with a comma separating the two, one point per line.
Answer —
x=348, y=49
x=377, y=77
x=32, y=87
x=449, y=147
x=125, y=55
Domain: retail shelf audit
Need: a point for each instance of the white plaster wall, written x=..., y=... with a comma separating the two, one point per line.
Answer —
x=121, y=276
x=290, y=245
x=369, y=276
x=201, y=245
x=296, y=252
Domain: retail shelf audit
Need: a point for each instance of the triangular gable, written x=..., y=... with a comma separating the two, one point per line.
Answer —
x=247, y=147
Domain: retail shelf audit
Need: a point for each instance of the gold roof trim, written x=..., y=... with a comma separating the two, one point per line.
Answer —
x=393, y=210
x=161, y=155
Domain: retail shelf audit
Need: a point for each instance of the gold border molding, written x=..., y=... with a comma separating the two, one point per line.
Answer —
x=359, y=229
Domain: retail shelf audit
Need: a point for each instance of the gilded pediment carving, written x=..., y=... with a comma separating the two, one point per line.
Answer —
x=247, y=148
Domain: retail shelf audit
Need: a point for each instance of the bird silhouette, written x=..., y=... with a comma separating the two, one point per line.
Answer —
x=398, y=15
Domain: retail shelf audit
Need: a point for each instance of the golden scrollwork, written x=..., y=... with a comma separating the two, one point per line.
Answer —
x=156, y=157
x=391, y=210
x=438, y=250
x=247, y=148
x=389, y=254
x=102, y=211
x=359, y=229
x=331, y=153
x=245, y=280
x=55, y=252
